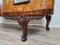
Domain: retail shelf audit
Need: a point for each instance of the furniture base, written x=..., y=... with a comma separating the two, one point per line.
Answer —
x=23, y=22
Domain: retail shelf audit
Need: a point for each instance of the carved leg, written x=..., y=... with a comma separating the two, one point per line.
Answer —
x=48, y=19
x=24, y=26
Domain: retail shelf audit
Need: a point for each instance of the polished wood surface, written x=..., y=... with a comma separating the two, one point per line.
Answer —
x=32, y=8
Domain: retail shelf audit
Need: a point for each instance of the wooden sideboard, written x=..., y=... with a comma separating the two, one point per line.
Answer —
x=23, y=13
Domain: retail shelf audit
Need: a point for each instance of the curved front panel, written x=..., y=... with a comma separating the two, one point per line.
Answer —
x=36, y=6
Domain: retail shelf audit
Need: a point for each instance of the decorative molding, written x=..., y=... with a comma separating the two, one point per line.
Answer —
x=29, y=13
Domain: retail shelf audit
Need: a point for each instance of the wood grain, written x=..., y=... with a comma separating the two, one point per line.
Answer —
x=33, y=5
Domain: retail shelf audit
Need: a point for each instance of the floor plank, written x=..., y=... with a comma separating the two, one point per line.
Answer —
x=10, y=35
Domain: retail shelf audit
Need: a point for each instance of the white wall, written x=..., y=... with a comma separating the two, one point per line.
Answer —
x=55, y=22
x=56, y=17
x=0, y=2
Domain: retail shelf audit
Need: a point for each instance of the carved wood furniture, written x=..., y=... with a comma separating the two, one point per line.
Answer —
x=23, y=13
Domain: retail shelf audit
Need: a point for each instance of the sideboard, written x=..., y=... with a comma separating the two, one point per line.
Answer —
x=23, y=13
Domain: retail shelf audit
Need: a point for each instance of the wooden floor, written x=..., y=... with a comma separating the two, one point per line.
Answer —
x=10, y=35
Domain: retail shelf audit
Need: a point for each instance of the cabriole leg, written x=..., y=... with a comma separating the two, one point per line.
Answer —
x=48, y=19
x=24, y=26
